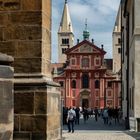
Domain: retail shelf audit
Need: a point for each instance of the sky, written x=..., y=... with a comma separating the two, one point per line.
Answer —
x=100, y=15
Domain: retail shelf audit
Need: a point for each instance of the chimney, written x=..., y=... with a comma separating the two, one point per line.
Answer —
x=77, y=41
x=92, y=40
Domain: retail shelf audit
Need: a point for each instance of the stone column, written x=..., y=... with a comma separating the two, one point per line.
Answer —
x=25, y=33
x=6, y=98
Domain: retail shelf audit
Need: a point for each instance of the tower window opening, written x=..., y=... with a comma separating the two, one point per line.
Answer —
x=64, y=50
x=65, y=41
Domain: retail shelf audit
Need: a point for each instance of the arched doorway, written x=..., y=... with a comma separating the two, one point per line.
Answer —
x=85, y=103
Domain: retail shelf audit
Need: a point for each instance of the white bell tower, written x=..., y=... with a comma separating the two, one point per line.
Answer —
x=65, y=34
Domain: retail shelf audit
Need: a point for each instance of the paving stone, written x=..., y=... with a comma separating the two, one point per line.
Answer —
x=93, y=130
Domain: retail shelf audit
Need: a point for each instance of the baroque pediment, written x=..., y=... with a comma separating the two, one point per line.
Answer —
x=85, y=49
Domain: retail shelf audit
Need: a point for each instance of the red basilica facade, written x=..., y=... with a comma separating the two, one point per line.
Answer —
x=85, y=78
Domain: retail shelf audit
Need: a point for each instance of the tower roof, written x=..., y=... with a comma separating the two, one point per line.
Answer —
x=86, y=33
x=66, y=24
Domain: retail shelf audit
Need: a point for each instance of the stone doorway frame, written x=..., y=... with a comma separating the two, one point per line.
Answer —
x=85, y=95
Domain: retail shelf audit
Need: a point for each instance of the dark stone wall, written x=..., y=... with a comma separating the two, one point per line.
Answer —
x=25, y=33
x=37, y=112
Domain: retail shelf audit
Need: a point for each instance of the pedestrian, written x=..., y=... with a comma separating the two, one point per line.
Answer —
x=85, y=114
x=65, y=114
x=116, y=114
x=110, y=115
x=70, y=119
x=105, y=116
x=77, y=111
x=96, y=114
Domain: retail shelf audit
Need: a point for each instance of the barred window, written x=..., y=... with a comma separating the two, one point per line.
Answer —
x=85, y=81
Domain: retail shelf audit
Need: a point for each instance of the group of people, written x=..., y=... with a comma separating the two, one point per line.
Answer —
x=71, y=116
x=109, y=114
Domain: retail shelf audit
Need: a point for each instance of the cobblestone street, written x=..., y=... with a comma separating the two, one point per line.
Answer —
x=92, y=130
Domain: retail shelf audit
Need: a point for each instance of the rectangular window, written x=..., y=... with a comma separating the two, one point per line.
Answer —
x=109, y=84
x=97, y=61
x=119, y=40
x=85, y=62
x=65, y=41
x=119, y=50
x=109, y=93
x=72, y=61
x=97, y=84
x=64, y=50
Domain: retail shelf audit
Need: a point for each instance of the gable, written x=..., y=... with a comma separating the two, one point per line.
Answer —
x=85, y=48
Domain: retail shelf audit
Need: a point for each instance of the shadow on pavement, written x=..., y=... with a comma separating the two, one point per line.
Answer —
x=91, y=124
x=135, y=135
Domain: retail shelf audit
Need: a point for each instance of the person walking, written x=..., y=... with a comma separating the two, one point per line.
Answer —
x=110, y=115
x=77, y=111
x=70, y=119
x=96, y=114
x=105, y=116
x=85, y=114
x=116, y=115
x=65, y=114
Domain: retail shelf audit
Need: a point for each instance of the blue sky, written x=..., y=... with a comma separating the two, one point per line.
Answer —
x=100, y=14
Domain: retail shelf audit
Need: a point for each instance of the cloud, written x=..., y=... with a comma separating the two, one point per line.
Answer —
x=112, y=5
x=101, y=15
x=80, y=12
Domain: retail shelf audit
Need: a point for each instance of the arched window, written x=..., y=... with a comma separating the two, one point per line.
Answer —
x=97, y=84
x=73, y=85
x=85, y=81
